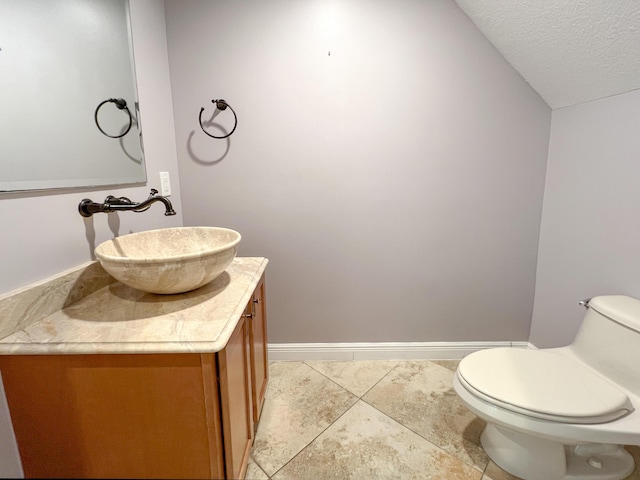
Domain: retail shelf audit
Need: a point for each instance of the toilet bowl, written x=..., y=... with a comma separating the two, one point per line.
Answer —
x=562, y=413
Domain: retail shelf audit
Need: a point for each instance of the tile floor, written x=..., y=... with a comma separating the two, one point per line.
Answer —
x=369, y=420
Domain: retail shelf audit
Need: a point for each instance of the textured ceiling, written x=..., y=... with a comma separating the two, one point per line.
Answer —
x=570, y=51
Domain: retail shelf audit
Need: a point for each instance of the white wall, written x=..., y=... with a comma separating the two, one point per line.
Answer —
x=590, y=234
x=42, y=234
x=387, y=160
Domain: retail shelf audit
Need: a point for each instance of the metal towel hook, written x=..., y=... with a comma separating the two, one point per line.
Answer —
x=121, y=104
x=221, y=105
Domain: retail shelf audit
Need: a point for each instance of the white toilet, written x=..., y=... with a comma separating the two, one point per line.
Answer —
x=562, y=413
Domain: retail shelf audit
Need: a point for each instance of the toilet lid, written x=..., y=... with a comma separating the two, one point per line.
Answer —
x=542, y=384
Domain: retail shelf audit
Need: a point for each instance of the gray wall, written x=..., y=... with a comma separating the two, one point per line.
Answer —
x=590, y=234
x=42, y=233
x=388, y=161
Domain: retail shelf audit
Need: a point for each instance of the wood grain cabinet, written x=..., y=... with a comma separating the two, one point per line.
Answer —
x=258, y=339
x=177, y=415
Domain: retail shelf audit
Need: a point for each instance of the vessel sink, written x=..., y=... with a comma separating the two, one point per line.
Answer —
x=169, y=260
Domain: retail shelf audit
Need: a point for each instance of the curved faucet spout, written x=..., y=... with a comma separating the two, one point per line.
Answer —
x=153, y=198
x=88, y=207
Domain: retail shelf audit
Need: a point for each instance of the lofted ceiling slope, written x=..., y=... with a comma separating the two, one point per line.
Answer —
x=570, y=51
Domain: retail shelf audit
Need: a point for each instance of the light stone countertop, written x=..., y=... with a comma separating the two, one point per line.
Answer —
x=118, y=319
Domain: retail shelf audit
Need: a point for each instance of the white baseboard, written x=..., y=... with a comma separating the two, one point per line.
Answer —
x=382, y=350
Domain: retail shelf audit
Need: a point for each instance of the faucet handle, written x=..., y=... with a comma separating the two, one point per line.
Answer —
x=152, y=194
x=111, y=200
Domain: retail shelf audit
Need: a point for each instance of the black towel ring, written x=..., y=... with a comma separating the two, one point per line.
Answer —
x=121, y=104
x=222, y=105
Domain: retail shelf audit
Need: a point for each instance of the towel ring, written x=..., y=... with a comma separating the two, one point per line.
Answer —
x=121, y=104
x=221, y=105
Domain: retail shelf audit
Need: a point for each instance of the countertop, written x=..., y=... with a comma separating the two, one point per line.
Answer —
x=118, y=319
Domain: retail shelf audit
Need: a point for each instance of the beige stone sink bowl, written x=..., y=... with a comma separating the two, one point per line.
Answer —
x=169, y=260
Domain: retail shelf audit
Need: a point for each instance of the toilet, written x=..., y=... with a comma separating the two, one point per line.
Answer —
x=562, y=413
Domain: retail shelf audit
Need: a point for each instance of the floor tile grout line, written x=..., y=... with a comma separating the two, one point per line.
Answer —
x=361, y=398
x=411, y=430
x=427, y=440
x=316, y=437
x=331, y=380
x=327, y=427
x=398, y=362
x=256, y=462
x=376, y=384
x=481, y=472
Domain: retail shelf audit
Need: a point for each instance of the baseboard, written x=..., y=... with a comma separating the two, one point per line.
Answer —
x=382, y=350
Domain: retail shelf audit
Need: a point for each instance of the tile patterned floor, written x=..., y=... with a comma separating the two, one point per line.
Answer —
x=369, y=420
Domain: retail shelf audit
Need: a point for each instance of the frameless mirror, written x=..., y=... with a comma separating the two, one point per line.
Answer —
x=59, y=60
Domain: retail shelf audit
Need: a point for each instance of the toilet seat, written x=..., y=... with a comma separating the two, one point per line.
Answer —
x=542, y=384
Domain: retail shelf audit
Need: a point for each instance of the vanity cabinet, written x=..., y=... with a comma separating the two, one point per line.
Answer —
x=258, y=340
x=141, y=415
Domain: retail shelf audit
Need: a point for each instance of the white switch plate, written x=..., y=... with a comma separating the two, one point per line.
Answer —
x=165, y=184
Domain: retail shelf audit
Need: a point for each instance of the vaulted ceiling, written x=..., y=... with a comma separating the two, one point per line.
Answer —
x=570, y=51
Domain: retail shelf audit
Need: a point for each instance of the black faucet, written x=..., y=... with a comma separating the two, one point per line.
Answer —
x=114, y=204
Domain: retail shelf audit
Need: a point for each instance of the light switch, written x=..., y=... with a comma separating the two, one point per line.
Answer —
x=165, y=184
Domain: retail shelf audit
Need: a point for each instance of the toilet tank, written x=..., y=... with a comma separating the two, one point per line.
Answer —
x=609, y=339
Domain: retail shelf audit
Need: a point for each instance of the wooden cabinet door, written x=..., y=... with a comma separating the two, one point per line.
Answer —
x=123, y=416
x=235, y=401
x=259, y=360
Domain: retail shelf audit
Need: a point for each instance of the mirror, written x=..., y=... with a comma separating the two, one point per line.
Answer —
x=58, y=61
